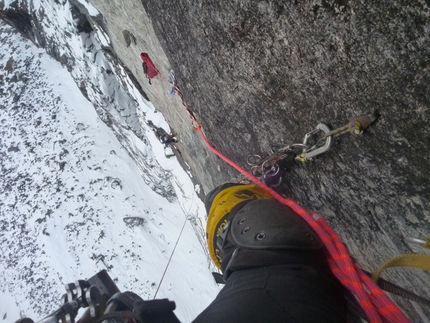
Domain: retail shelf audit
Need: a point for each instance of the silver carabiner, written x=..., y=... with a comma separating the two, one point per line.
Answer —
x=416, y=240
x=313, y=151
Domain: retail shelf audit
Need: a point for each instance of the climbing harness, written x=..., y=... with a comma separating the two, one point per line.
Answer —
x=269, y=169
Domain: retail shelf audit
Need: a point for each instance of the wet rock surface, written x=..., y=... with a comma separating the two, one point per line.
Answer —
x=264, y=73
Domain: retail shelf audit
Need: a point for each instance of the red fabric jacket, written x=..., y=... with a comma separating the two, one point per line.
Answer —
x=151, y=69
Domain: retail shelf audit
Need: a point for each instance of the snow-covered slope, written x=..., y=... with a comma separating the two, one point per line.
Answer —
x=84, y=182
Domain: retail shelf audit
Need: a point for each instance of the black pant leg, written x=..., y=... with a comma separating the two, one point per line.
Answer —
x=287, y=293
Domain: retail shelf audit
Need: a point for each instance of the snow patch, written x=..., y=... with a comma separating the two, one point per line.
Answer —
x=85, y=184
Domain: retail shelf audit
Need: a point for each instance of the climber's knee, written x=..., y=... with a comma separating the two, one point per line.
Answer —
x=267, y=224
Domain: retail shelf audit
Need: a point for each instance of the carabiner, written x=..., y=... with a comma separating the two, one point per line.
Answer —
x=313, y=151
x=424, y=243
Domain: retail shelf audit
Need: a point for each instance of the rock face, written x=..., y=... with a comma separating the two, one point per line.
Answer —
x=131, y=32
x=263, y=73
x=259, y=74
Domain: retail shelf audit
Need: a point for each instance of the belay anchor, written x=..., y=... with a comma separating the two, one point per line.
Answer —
x=272, y=168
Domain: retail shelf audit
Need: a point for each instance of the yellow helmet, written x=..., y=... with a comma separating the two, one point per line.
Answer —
x=219, y=202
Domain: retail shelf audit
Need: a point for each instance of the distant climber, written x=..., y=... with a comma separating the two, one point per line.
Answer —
x=148, y=67
x=167, y=139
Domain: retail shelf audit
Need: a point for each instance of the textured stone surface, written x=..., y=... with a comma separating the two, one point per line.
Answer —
x=264, y=73
x=131, y=32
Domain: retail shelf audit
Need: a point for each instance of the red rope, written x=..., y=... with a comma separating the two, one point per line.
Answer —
x=375, y=303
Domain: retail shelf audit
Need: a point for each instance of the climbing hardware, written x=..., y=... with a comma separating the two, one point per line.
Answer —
x=271, y=169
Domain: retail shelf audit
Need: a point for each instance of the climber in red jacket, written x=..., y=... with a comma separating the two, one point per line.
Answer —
x=148, y=67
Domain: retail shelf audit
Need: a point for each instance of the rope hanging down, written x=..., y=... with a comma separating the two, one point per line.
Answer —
x=176, y=244
x=375, y=303
x=170, y=258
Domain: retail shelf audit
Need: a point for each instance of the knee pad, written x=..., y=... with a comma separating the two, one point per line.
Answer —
x=267, y=224
x=221, y=205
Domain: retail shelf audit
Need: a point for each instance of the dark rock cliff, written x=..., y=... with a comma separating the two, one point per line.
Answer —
x=259, y=74
x=262, y=73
